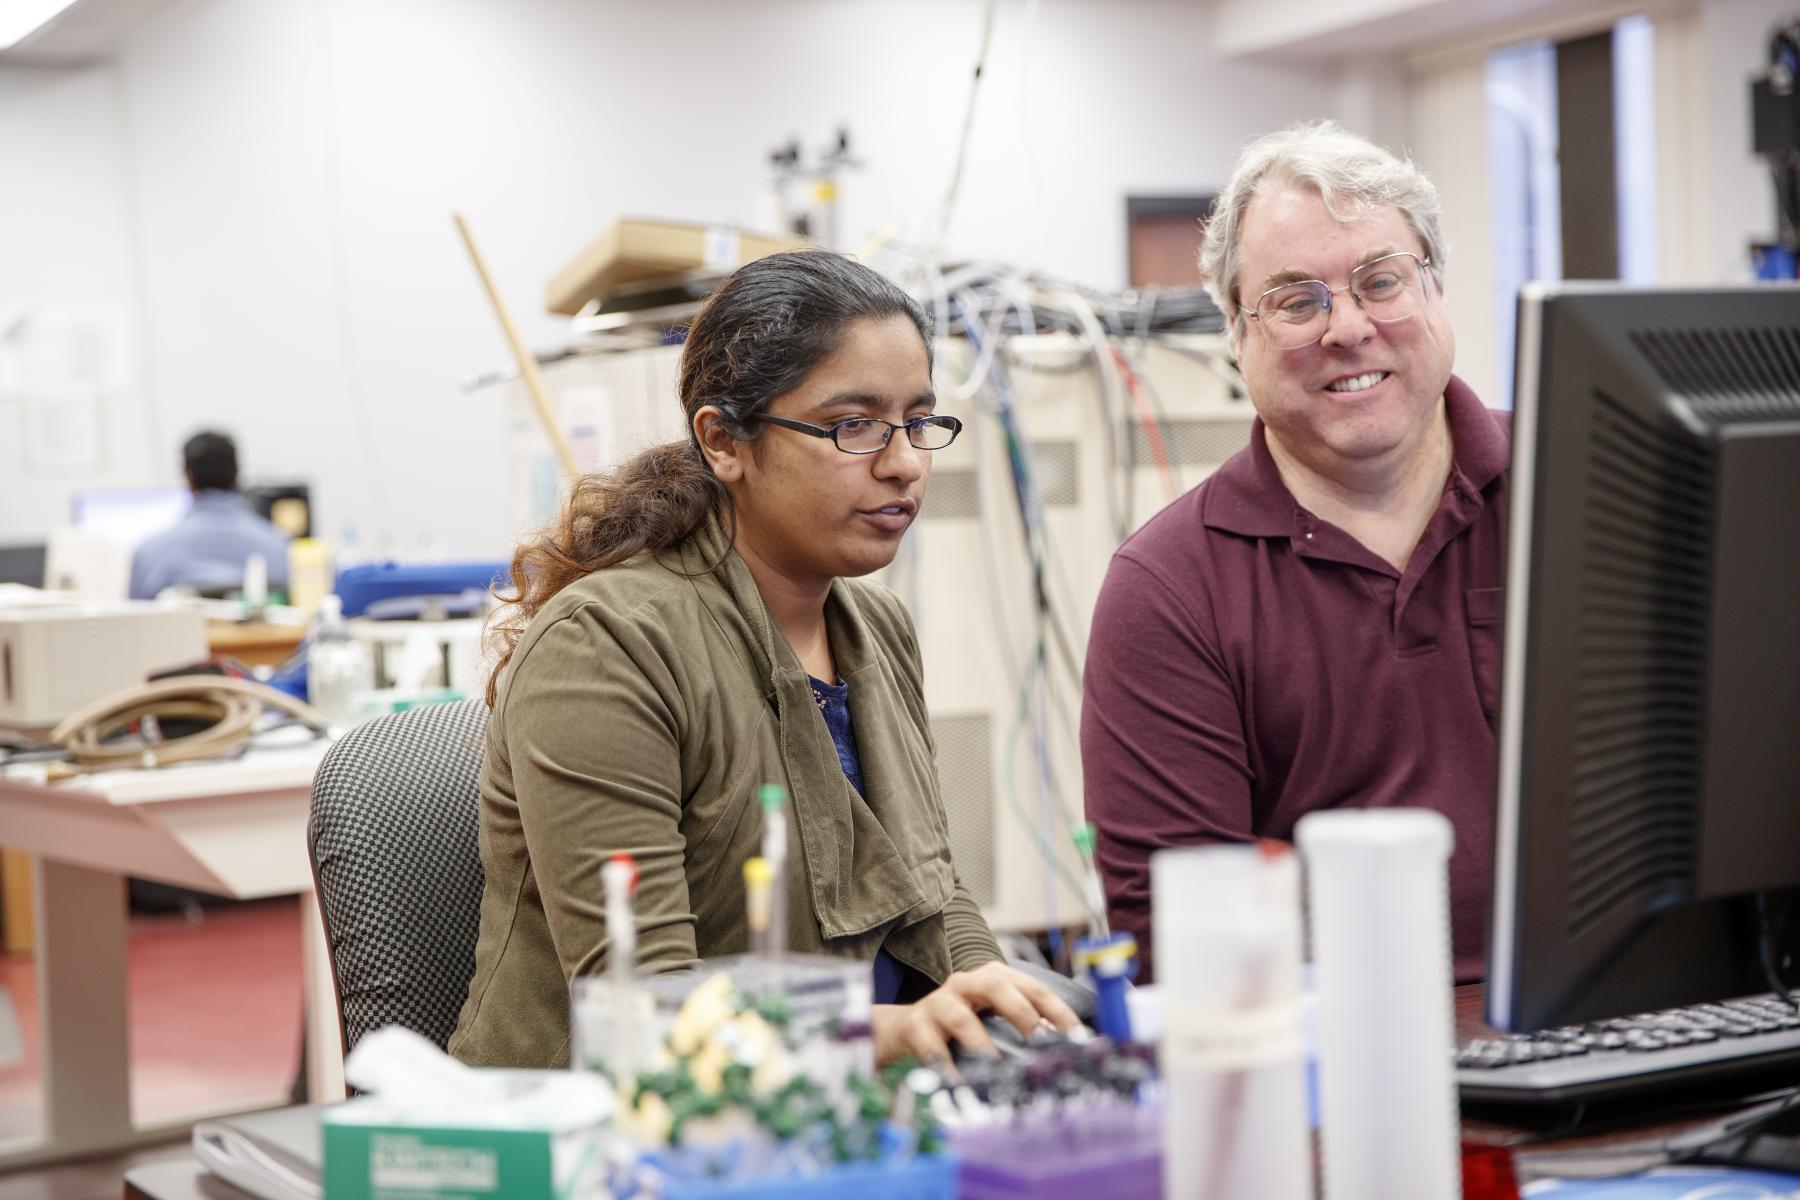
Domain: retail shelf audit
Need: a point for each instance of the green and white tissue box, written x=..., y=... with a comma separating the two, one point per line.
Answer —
x=540, y=1138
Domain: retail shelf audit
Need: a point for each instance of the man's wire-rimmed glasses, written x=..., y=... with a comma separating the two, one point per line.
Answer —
x=1389, y=288
x=870, y=435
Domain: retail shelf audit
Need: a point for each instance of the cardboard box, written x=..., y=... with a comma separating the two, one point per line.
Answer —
x=634, y=250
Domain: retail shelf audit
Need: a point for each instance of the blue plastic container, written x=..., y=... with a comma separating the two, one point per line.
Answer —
x=1112, y=1153
x=374, y=583
x=925, y=1178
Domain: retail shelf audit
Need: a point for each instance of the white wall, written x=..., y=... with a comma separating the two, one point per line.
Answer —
x=66, y=247
x=1714, y=196
x=285, y=170
x=1740, y=200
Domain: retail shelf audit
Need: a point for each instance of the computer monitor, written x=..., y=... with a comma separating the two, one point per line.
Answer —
x=23, y=564
x=126, y=516
x=287, y=506
x=1649, y=735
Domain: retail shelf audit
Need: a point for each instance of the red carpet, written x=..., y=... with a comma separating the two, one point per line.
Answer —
x=214, y=1009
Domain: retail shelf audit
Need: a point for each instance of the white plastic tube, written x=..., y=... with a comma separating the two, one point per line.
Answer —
x=1225, y=925
x=1377, y=891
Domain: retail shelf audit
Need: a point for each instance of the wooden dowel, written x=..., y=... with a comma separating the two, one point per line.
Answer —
x=528, y=366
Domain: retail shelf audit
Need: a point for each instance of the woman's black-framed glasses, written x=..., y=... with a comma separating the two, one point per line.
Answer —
x=870, y=435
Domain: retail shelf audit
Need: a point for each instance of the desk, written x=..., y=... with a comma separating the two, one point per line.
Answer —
x=185, y=1179
x=235, y=827
x=254, y=643
x=1614, y=1129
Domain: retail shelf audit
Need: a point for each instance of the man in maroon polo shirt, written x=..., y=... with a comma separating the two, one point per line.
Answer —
x=1317, y=624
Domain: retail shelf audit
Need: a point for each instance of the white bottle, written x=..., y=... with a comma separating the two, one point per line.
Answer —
x=1378, y=883
x=1225, y=923
x=255, y=592
x=340, y=671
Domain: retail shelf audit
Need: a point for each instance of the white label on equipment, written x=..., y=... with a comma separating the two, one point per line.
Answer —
x=722, y=249
x=1233, y=1041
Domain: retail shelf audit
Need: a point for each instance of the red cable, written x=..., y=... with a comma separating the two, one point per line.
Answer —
x=1152, y=430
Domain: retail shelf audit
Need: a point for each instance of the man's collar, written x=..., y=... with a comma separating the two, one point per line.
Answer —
x=220, y=498
x=1480, y=437
x=1246, y=496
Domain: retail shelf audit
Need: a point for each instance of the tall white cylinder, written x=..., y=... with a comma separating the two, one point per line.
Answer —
x=1377, y=894
x=1225, y=924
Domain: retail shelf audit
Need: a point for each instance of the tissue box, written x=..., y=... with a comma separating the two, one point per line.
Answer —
x=542, y=1140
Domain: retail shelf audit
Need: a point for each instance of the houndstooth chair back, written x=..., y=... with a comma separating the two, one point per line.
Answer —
x=397, y=866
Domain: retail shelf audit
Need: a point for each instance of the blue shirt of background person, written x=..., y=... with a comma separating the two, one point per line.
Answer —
x=206, y=551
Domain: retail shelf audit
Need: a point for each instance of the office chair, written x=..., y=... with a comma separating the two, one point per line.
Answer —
x=393, y=842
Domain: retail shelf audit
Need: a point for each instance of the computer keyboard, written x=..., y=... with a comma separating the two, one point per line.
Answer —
x=1674, y=1047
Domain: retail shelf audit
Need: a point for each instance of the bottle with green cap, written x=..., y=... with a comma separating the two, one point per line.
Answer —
x=1083, y=836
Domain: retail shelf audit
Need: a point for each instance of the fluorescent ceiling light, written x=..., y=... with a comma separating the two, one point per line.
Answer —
x=19, y=19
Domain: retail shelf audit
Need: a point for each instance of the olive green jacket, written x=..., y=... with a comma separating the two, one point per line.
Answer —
x=642, y=710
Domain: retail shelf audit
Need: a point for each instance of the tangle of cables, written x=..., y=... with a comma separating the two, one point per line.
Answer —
x=999, y=325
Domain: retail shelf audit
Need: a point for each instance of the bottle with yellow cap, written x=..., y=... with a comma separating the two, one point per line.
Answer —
x=759, y=892
x=309, y=573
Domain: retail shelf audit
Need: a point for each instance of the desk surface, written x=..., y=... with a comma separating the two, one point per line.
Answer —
x=254, y=643
x=182, y=1180
x=236, y=827
x=283, y=760
x=187, y=1180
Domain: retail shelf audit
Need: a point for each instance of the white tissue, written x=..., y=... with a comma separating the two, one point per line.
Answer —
x=412, y=1072
x=409, y=1079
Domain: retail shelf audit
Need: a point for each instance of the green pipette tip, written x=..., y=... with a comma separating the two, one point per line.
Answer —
x=772, y=796
x=1083, y=836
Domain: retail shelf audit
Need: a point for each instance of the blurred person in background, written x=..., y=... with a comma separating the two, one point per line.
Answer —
x=206, y=551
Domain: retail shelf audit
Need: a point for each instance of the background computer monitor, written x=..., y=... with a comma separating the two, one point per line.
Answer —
x=126, y=516
x=1649, y=738
x=23, y=563
x=288, y=506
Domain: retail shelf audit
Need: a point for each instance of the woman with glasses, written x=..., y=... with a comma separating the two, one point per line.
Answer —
x=692, y=628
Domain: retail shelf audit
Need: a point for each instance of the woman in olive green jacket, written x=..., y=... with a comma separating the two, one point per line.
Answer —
x=692, y=629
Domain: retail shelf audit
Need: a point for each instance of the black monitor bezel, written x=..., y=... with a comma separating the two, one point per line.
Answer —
x=1683, y=948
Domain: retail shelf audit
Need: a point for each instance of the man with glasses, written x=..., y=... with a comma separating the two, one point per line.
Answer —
x=1316, y=625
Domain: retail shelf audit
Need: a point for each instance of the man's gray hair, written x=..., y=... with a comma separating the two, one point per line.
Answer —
x=1351, y=174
